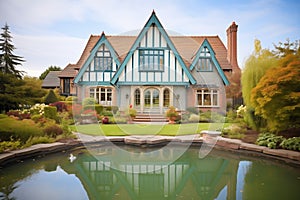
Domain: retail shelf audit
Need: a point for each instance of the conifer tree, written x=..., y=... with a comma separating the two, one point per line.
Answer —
x=9, y=60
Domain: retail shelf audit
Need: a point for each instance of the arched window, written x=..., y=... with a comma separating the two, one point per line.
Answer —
x=166, y=98
x=137, y=97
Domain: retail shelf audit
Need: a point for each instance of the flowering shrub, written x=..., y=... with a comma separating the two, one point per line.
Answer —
x=19, y=114
x=61, y=106
x=76, y=111
x=89, y=113
x=241, y=111
x=38, y=109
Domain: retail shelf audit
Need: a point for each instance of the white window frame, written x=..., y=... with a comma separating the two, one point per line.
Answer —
x=214, y=95
x=107, y=95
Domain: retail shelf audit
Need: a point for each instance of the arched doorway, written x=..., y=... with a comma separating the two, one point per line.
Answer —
x=151, y=100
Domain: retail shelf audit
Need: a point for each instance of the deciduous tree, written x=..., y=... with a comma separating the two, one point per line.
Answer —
x=256, y=66
x=277, y=95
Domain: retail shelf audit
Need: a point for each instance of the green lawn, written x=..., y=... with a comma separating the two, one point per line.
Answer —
x=139, y=129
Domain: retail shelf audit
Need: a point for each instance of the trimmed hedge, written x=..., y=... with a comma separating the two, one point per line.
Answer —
x=12, y=129
x=98, y=108
x=89, y=101
x=50, y=112
x=51, y=97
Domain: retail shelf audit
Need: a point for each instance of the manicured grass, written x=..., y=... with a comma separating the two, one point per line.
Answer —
x=138, y=129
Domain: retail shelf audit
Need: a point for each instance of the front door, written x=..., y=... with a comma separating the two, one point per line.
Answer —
x=151, y=100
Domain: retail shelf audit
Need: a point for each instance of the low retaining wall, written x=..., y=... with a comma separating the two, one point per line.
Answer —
x=219, y=143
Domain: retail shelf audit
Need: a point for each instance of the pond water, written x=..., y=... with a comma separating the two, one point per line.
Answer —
x=220, y=175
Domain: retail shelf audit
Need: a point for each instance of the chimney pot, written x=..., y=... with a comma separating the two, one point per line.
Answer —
x=232, y=44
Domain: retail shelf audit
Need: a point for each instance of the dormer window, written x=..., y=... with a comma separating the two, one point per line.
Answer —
x=204, y=63
x=103, y=59
x=151, y=60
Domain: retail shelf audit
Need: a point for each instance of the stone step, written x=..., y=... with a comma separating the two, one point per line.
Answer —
x=150, y=118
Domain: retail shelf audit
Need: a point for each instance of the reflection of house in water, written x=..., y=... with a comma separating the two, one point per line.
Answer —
x=188, y=177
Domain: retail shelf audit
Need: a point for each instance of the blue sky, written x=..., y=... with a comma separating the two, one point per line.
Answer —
x=54, y=32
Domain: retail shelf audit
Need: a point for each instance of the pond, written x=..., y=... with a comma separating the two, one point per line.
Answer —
x=108, y=175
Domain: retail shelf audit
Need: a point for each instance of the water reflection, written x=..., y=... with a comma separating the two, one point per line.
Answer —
x=143, y=178
x=218, y=176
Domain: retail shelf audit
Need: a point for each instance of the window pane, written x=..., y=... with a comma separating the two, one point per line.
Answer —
x=103, y=60
x=199, y=99
x=207, y=99
x=106, y=54
x=215, y=99
x=137, y=97
x=66, y=86
x=151, y=60
x=92, y=92
x=147, y=98
x=109, y=96
x=166, y=98
x=204, y=64
x=102, y=94
x=155, y=99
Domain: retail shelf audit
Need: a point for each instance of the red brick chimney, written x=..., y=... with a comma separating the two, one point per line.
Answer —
x=232, y=45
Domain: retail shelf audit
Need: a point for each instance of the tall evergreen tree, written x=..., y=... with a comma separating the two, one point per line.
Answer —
x=9, y=60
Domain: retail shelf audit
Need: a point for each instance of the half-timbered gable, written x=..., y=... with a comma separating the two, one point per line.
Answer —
x=100, y=66
x=153, y=59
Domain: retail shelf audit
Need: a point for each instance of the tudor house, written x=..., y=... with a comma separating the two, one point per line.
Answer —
x=154, y=70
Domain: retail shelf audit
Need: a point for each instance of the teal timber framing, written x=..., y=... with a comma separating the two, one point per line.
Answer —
x=213, y=58
x=152, y=20
x=102, y=40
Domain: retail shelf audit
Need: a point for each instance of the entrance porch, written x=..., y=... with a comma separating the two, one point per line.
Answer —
x=151, y=99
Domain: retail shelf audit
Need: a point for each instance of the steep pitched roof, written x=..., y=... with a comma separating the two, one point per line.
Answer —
x=189, y=45
x=51, y=80
x=206, y=44
x=186, y=46
x=102, y=40
x=69, y=71
x=121, y=44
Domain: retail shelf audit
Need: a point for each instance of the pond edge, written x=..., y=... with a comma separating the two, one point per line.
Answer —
x=221, y=143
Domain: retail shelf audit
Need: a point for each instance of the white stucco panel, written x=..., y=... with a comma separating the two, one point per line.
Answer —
x=92, y=76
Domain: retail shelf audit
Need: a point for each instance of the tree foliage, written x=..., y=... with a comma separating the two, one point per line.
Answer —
x=51, y=68
x=9, y=60
x=51, y=97
x=32, y=90
x=255, y=67
x=16, y=92
x=10, y=94
x=286, y=48
x=277, y=95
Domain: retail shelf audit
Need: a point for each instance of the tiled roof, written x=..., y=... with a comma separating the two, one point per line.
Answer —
x=121, y=44
x=51, y=80
x=88, y=48
x=69, y=71
x=187, y=46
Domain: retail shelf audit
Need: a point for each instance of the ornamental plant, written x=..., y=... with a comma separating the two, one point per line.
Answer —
x=38, y=109
x=171, y=112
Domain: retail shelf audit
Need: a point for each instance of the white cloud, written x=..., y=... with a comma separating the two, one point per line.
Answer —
x=37, y=13
x=43, y=51
x=43, y=39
